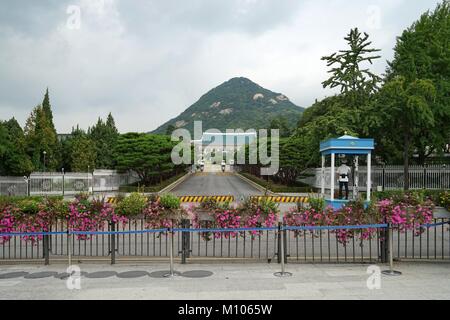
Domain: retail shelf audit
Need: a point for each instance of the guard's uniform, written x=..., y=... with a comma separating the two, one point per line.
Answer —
x=343, y=172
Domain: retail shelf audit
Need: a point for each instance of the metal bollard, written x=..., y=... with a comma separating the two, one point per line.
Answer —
x=171, y=273
x=113, y=243
x=46, y=244
x=391, y=271
x=283, y=249
x=283, y=272
x=185, y=241
x=69, y=246
x=384, y=249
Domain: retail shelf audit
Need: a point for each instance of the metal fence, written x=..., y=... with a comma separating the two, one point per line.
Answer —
x=70, y=183
x=13, y=186
x=308, y=246
x=392, y=177
x=50, y=183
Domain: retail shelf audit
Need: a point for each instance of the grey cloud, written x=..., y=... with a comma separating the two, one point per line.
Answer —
x=252, y=16
x=146, y=61
x=31, y=18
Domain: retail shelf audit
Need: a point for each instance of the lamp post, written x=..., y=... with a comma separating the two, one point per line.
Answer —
x=63, y=181
x=27, y=181
x=45, y=153
x=88, y=184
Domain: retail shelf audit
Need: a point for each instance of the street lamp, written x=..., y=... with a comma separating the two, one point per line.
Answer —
x=63, y=181
x=27, y=181
x=45, y=153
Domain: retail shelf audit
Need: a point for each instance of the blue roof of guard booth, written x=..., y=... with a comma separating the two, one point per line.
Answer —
x=347, y=145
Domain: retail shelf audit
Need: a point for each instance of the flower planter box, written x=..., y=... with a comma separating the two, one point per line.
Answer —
x=441, y=212
x=173, y=214
x=204, y=215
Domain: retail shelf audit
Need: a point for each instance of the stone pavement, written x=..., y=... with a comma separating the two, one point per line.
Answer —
x=255, y=281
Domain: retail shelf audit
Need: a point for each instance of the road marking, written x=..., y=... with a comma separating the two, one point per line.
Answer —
x=281, y=199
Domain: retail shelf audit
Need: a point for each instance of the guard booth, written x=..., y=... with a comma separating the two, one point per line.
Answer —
x=345, y=145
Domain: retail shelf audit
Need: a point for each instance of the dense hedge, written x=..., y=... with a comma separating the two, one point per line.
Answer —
x=149, y=189
x=277, y=187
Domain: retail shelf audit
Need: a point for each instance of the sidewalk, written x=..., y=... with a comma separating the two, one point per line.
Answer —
x=427, y=280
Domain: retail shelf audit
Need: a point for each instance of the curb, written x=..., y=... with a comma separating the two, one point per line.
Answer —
x=174, y=184
x=254, y=184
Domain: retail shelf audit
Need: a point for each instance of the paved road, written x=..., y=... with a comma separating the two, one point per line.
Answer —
x=225, y=281
x=215, y=183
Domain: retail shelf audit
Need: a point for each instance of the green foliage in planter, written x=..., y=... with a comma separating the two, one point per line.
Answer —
x=57, y=207
x=54, y=205
x=132, y=205
x=209, y=204
x=267, y=206
x=82, y=196
x=316, y=203
x=249, y=206
x=7, y=200
x=444, y=200
x=418, y=196
x=29, y=206
x=169, y=201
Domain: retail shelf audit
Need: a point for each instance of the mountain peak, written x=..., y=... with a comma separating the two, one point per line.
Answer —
x=240, y=80
x=238, y=103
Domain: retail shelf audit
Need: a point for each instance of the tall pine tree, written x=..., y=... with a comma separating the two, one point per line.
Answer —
x=13, y=159
x=349, y=69
x=104, y=136
x=41, y=136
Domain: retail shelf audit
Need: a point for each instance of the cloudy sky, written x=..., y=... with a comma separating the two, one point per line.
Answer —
x=147, y=61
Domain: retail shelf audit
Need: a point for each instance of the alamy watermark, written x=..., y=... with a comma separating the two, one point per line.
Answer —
x=73, y=282
x=374, y=280
x=374, y=17
x=74, y=17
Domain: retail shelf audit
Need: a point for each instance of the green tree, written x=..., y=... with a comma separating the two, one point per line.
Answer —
x=46, y=106
x=422, y=52
x=403, y=111
x=282, y=125
x=149, y=155
x=40, y=136
x=356, y=82
x=67, y=147
x=104, y=135
x=325, y=119
x=13, y=159
x=83, y=153
x=170, y=129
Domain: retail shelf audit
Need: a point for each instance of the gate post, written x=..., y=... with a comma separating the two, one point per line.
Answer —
x=185, y=240
x=113, y=243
